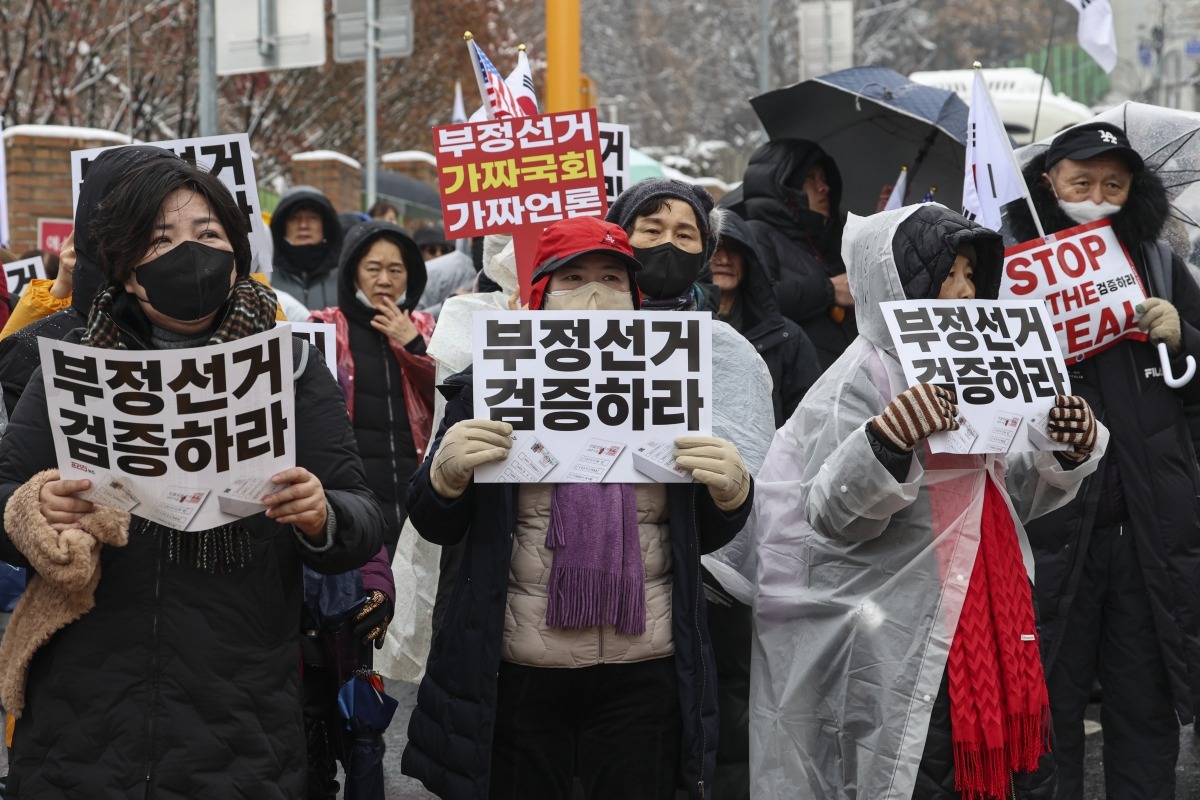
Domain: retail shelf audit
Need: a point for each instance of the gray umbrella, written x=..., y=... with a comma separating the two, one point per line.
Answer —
x=872, y=121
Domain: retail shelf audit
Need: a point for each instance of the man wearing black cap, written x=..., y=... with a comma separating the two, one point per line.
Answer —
x=1117, y=570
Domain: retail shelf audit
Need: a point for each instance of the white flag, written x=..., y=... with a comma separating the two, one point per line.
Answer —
x=897, y=198
x=1096, y=34
x=992, y=179
x=460, y=110
x=520, y=81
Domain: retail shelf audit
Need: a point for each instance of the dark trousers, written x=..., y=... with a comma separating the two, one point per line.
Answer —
x=616, y=726
x=731, y=629
x=1110, y=636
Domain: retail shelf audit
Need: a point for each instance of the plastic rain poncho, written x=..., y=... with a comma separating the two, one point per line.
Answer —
x=860, y=578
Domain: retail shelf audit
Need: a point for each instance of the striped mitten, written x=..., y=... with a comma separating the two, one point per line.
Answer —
x=1072, y=422
x=916, y=413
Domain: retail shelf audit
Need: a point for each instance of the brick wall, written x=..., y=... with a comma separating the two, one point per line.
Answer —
x=38, y=166
x=338, y=176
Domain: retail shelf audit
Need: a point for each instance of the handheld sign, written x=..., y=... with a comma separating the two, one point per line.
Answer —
x=1001, y=360
x=185, y=438
x=20, y=274
x=320, y=335
x=227, y=157
x=1088, y=282
x=593, y=396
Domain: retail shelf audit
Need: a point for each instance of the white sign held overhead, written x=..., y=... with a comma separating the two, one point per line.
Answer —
x=614, y=150
x=1000, y=358
x=586, y=391
x=265, y=35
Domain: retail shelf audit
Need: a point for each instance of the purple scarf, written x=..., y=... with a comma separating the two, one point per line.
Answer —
x=597, y=577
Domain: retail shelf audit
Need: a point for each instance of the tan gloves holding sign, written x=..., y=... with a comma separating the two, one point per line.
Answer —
x=717, y=464
x=464, y=447
x=1161, y=321
x=914, y=414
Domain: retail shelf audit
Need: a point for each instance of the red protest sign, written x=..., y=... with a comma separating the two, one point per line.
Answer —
x=1088, y=282
x=53, y=232
x=518, y=175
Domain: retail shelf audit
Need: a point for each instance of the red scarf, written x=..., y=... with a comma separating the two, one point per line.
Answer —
x=999, y=708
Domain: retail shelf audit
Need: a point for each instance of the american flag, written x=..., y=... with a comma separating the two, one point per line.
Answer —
x=498, y=98
x=928, y=198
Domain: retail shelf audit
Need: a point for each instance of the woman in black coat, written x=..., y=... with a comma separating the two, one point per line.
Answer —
x=184, y=679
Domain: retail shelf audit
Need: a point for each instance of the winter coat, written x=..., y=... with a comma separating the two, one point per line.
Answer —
x=390, y=388
x=181, y=682
x=857, y=589
x=800, y=248
x=783, y=345
x=1150, y=481
x=315, y=284
x=450, y=733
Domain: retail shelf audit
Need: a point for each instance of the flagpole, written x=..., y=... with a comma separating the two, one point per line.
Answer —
x=1033, y=137
x=1012, y=157
x=469, y=38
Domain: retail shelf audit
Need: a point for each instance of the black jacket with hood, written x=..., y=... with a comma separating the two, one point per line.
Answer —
x=783, y=345
x=1150, y=481
x=450, y=732
x=19, y=352
x=801, y=249
x=381, y=419
x=309, y=272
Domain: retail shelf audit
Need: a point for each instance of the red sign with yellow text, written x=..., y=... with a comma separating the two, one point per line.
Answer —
x=505, y=174
x=1088, y=282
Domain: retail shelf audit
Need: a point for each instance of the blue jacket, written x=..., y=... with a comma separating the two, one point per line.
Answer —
x=450, y=733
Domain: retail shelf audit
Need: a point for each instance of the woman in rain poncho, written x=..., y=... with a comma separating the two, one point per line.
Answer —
x=871, y=550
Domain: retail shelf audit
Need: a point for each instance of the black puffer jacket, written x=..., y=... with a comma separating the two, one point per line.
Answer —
x=182, y=683
x=1150, y=479
x=786, y=348
x=307, y=273
x=19, y=351
x=801, y=249
x=450, y=733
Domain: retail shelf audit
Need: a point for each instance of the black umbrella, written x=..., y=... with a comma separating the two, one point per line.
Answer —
x=367, y=710
x=872, y=121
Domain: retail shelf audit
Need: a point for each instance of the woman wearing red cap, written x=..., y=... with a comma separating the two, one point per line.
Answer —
x=522, y=692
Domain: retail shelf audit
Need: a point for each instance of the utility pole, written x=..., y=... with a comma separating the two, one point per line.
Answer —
x=564, y=83
x=208, y=68
x=764, y=46
x=372, y=34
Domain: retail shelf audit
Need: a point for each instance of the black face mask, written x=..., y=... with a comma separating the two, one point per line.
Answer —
x=189, y=282
x=667, y=271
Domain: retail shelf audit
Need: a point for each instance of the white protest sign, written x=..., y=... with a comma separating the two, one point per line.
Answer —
x=228, y=157
x=585, y=390
x=614, y=151
x=1089, y=284
x=21, y=273
x=321, y=335
x=999, y=357
x=186, y=438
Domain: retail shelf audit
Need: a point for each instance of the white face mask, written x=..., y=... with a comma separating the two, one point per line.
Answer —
x=589, y=297
x=1086, y=211
x=366, y=301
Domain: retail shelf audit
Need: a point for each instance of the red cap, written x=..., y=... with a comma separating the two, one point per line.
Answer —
x=568, y=239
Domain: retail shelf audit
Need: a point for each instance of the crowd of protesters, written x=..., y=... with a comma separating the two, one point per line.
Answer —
x=918, y=625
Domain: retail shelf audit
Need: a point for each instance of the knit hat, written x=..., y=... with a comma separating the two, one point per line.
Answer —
x=708, y=216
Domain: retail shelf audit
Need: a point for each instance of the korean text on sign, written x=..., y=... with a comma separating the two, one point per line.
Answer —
x=1001, y=360
x=585, y=390
x=1088, y=282
x=498, y=175
x=188, y=438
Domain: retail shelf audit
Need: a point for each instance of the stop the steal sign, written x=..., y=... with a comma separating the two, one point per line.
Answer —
x=1088, y=282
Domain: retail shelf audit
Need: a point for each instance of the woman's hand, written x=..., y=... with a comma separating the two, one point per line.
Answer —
x=64, y=282
x=302, y=504
x=397, y=325
x=58, y=505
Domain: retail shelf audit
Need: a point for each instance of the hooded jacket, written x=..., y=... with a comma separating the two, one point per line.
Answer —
x=308, y=273
x=450, y=732
x=800, y=248
x=1150, y=481
x=389, y=388
x=783, y=345
x=857, y=588
x=19, y=352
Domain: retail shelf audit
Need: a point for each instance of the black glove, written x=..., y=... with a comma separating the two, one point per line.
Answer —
x=372, y=619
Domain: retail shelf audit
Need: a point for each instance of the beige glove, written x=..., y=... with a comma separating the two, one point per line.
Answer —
x=717, y=464
x=1072, y=422
x=914, y=414
x=1161, y=321
x=464, y=447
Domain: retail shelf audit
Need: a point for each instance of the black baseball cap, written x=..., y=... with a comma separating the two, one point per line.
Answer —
x=1090, y=140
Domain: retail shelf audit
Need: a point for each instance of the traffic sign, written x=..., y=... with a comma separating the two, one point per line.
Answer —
x=259, y=36
x=350, y=29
